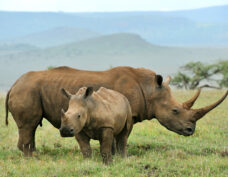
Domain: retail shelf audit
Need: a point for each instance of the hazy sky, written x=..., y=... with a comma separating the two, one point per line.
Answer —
x=105, y=5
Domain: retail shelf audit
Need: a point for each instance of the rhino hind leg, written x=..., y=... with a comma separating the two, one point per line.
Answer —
x=106, y=142
x=27, y=129
x=25, y=106
x=121, y=139
x=84, y=143
x=27, y=124
x=122, y=145
x=26, y=141
x=114, y=146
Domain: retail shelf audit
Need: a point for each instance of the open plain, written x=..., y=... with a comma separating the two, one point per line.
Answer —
x=152, y=150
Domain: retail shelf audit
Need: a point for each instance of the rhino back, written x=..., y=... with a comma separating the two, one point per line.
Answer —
x=39, y=91
x=53, y=100
x=111, y=110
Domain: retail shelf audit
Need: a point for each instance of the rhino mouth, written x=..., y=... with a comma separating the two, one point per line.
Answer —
x=184, y=132
x=64, y=132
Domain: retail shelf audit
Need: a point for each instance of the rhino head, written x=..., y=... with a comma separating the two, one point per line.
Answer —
x=77, y=115
x=175, y=116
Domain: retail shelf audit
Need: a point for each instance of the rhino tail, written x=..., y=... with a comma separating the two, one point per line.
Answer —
x=6, y=107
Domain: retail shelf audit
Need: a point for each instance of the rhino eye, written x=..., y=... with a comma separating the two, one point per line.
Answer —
x=175, y=111
x=78, y=116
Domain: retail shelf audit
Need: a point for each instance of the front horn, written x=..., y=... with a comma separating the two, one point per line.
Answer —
x=188, y=104
x=199, y=113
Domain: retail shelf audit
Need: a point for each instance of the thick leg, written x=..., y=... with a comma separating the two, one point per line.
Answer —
x=106, y=142
x=25, y=106
x=122, y=145
x=26, y=128
x=121, y=140
x=83, y=141
x=114, y=146
x=26, y=142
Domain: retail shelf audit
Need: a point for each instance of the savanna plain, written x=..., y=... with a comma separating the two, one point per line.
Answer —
x=152, y=150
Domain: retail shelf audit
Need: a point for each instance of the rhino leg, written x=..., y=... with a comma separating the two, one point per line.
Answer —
x=114, y=146
x=106, y=141
x=26, y=142
x=83, y=141
x=122, y=145
x=27, y=124
x=27, y=130
x=121, y=139
x=25, y=106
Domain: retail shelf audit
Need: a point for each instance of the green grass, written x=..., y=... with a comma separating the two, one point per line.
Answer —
x=152, y=150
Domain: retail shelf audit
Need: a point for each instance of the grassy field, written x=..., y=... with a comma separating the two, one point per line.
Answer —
x=152, y=150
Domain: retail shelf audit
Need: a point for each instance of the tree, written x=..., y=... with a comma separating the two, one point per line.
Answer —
x=181, y=80
x=50, y=67
x=222, y=67
x=193, y=74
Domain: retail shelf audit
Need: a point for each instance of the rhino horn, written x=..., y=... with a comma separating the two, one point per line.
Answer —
x=188, y=104
x=199, y=113
x=62, y=113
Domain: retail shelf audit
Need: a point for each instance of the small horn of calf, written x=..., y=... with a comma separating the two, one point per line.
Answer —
x=199, y=113
x=188, y=104
x=167, y=80
x=62, y=113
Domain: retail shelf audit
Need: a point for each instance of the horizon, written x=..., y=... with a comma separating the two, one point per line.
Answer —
x=101, y=6
x=115, y=11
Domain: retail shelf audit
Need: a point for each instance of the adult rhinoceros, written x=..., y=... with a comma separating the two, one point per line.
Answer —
x=37, y=95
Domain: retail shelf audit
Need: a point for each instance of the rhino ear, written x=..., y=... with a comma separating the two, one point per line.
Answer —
x=88, y=92
x=66, y=93
x=167, y=80
x=159, y=80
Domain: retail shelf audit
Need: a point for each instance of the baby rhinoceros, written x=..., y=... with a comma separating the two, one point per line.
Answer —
x=103, y=115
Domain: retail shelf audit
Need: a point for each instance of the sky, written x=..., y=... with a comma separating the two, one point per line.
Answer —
x=106, y=5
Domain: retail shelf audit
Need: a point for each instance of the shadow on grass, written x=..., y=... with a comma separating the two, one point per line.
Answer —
x=58, y=151
x=138, y=150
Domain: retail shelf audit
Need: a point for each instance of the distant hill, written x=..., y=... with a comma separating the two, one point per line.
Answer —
x=200, y=27
x=121, y=44
x=215, y=14
x=103, y=52
x=115, y=44
x=7, y=49
x=56, y=36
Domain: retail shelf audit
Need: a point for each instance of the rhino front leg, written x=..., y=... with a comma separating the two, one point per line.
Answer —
x=106, y=142
x=84, y=143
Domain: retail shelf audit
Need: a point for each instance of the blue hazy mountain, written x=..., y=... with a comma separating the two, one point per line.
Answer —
x=56, y=36
x=199, y=27
x=100, y=53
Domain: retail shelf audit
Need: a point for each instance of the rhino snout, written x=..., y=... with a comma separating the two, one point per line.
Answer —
x=66, y=132
x=188, y=131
